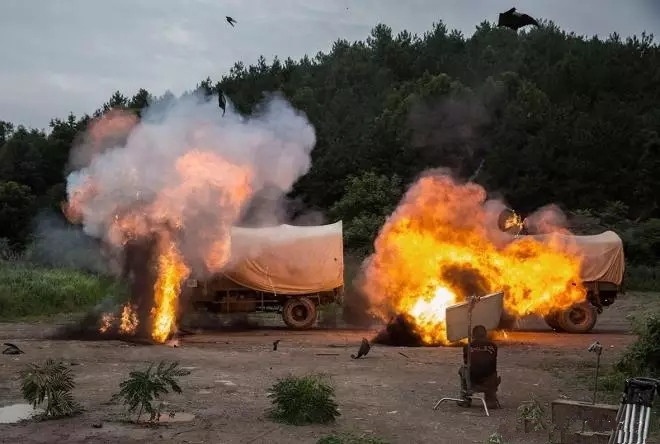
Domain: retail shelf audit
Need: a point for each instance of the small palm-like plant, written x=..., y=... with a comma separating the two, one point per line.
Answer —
x=305, y=400
x=51, y=383
x=143, y=388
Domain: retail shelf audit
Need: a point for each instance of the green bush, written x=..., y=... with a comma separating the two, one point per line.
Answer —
x=26, y=290
x=303, y=400
x=142, y=388
x=348, y=438
x=643, y=356
x=51, y=383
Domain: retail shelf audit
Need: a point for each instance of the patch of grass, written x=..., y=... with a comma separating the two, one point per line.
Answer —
x=142, y=388
x=303, y=400
x=27, y=290
x=52, y=383
x=349, y=438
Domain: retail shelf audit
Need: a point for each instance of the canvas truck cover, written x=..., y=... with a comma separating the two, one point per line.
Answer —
x=602, y=254
x=287, y=259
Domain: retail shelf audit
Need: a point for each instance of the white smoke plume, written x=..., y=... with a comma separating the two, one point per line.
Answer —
x=185, y=168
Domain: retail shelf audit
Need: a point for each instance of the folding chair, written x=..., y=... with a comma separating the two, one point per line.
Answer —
x=467, y=396
x=633, y=416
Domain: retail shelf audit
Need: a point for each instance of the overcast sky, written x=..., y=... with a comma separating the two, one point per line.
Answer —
x=61, y=56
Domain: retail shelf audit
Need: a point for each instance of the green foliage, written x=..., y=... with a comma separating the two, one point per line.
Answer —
x=349, y=438
x=495, y=438
x=143, y=389
x=368, y=199
x=532, y=413
x=27, y=290
x=642, y=357
x=303, y=400
x=51, y=383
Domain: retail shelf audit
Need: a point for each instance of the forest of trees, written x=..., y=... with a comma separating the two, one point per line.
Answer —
x=550, y=117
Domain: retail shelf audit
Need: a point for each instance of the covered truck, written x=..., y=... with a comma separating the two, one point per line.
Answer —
x=602, y=276
x=285, y=268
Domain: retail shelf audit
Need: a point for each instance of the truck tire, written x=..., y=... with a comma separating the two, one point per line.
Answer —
x=552, y=319
x=299, y=313
x=580, y=318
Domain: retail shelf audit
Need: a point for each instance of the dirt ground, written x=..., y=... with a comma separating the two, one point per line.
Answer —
x=385, y=394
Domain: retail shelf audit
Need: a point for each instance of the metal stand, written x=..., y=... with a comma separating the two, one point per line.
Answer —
x=466, y=395
x=597, y=348
x=633, y=416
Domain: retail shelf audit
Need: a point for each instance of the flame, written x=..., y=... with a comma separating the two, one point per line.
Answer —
x=437, y=248
x=171, y=272
x=513, y=221
x=106, y=322
x=129, y=320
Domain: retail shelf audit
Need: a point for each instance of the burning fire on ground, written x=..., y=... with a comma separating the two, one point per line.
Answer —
x=443, y=244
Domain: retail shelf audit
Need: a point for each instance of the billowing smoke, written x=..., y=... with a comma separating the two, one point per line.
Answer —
x=187, y=168
x=57, y=243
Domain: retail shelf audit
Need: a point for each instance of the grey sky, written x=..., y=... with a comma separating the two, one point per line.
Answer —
x=59, y=56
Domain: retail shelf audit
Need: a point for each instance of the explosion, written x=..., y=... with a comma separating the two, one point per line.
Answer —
x=442, y=244
x=178, y=179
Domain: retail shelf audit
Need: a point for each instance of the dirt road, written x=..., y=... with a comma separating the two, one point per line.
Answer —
x=384, y=394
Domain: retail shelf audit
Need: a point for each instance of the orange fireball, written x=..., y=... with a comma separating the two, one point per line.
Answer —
x=438, y=247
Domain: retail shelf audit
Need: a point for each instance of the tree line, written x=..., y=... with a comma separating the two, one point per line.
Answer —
x=539, y=116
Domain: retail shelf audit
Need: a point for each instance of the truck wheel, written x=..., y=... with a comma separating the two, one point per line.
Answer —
x=552, y=320
x=580, y=318
x=299, y=313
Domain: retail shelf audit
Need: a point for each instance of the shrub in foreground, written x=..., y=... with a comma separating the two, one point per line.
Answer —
x=143, y=388
x=643, y=356
x=50, y=383
x=303, y=400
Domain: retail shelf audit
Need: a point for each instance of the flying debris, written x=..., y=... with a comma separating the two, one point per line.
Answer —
x=230, y=20
x=222, y=102
x=11, y=349
x=477, y=171
x=275, y=344
x=514, y=20
x=364, y=349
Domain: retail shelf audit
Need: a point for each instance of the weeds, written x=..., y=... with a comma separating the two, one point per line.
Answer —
x=51, y=383
x=348, y=438
x=495, y=438
x=643, y=356
x=531, y=413
x=304, y=400
x=142, y=388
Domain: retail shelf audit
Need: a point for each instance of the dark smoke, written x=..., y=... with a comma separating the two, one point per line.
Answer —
x=399, y=332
